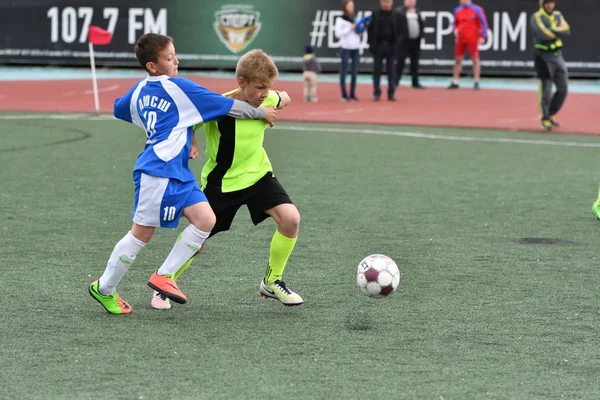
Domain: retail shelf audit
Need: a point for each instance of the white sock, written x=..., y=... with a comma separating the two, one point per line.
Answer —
x=188, y=243
x=119, y=262
x=455, y=81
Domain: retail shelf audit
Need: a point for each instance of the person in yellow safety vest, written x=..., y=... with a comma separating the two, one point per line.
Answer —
x=549, y=27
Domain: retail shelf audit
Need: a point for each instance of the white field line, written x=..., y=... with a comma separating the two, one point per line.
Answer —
x=84, y=117
x=440, y=137
x=102, y=90
x=333, y=112
x=415, y=135
x=90, y=91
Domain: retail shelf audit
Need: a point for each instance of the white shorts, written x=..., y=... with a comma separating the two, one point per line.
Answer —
x=160, y=202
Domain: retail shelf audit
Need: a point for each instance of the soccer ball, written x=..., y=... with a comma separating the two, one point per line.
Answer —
x=377, y=276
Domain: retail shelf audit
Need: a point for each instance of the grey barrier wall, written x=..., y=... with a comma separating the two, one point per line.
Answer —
x=213, y=34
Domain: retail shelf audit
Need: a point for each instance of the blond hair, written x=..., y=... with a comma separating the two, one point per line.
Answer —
x=256, y=65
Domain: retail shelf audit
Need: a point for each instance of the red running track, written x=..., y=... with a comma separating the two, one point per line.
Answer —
x=463, y=108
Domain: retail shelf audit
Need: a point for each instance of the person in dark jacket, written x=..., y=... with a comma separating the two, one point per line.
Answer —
x=411, y=32
x=549, y=27
x=383, y=43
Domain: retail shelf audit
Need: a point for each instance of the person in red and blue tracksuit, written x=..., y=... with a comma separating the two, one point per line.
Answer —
x=470, y=30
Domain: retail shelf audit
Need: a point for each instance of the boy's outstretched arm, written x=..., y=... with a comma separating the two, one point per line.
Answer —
x=284, y=99
x=241, y=109
x=212, y=106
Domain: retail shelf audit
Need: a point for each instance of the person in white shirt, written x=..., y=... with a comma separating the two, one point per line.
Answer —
x=345, y=31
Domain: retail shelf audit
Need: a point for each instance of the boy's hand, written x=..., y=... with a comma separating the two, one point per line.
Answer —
x=194, y=149
x=481, y=41
x=270, y=115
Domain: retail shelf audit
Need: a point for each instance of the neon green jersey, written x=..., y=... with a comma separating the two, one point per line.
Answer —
x=236, y=157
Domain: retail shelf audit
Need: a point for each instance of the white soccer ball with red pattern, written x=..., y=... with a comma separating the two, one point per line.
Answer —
x=377, y=276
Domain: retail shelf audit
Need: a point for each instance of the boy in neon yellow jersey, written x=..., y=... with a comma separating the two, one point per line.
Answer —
x=238, y=172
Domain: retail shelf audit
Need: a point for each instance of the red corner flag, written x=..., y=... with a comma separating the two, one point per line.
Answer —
x=99, y=36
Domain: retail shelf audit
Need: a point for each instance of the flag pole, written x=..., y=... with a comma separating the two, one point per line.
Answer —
x=94, y=80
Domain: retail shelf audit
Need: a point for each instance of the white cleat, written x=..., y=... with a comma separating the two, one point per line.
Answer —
x=278, y=290
x=160, y=302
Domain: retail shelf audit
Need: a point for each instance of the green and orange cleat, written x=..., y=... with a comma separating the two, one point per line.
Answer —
x=113, y=303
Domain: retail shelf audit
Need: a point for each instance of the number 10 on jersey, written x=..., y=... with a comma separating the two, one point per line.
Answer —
x=150, y=117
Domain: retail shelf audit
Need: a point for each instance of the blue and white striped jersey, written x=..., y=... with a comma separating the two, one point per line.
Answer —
x=167, y=109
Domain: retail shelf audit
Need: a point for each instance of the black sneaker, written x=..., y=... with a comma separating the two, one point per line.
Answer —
x=353, y=98
x=453, y=86
x=546, y=125
x=418, y=86
x=476, y=86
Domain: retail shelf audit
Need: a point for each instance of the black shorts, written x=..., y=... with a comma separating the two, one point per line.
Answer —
x=263, y=195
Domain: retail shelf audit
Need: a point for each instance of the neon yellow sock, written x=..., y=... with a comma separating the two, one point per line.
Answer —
x=183, y=268
x=598, y=200
x=281, y=248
